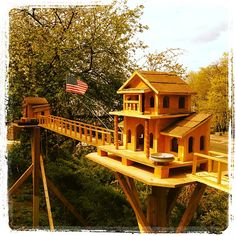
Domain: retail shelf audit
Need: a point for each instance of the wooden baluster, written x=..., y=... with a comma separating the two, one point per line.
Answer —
x=90, y=135
x=80, y=131
x=96, y=134
x=219, y=173
x=85, y=133
x=194, y=167
x=103, y=138
x=146, y=138
x=209, y=165
x=70, y=126
x=109, y=138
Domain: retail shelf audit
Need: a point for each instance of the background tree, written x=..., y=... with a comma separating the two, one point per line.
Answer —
x=211, y=85
x=93, y=43
x=167, y=60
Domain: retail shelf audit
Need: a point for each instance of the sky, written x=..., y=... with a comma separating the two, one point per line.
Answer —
x=201, y=28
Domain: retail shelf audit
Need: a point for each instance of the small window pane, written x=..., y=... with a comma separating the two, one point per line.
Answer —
x=166, y=102
x=202, y=143
x=152, y=101
x=181, y=102
x=190, y=145
x=174, y=145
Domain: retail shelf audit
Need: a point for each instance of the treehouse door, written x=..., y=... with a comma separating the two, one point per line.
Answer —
x=139, y=138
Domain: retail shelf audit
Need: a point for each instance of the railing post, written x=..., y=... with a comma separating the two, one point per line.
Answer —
x=209, y=165
x=103, y=138
x=194, y=167
x=109, y=138
x=80, y=131
x=85, y=133
x=219, y=173
x=70, y=127
x=96, y=136
x=146, y=138
x=90, y=134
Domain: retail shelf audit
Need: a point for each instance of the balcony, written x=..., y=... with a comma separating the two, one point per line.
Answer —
x=132, y=106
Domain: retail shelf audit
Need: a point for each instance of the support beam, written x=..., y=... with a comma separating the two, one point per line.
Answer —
x=192, y=206
x=116, y=139
x=157, y=207
x=131, y=195
x=45, y=186
x=147, y=138
x=35, y=147
x=66, y=203
x=20, y=181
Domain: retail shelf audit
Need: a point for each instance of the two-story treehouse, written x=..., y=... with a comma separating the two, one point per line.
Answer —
x=157, y=118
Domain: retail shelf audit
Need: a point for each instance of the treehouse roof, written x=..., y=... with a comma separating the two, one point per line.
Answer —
x=35, y=100
x=158, y=82
x=186, y=125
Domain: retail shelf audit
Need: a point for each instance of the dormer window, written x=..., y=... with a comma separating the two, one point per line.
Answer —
x=152, y=101
x=166, y=102
x=181, y=102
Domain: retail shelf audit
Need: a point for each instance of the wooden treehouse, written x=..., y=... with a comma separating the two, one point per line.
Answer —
x=162, y=144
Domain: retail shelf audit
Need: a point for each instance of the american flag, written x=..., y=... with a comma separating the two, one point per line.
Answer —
x=76, y=86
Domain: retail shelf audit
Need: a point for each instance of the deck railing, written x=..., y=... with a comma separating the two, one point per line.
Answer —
x=87, y=133
x=219, y=158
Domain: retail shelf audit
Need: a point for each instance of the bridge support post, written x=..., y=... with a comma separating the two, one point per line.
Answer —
x=35, y=147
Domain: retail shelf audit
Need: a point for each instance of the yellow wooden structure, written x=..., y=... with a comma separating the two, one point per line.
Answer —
x=156, y=118
x=34, y=107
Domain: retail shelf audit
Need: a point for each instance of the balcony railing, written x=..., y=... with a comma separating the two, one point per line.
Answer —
x=131, y=105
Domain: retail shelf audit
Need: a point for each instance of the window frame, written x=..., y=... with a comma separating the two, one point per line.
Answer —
x=166, y=102
x=174, y=145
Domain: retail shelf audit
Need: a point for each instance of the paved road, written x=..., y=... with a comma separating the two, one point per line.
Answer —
x=219, y=143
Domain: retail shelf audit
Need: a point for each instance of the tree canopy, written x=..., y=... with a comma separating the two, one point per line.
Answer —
x=211, y=85
x=48, y=45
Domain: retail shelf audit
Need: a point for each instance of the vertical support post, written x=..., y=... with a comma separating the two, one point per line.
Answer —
x=116, y=141
x=146, y=138
x=157, y=207
x=219, y=171
x=140, y=103
x=35, y=147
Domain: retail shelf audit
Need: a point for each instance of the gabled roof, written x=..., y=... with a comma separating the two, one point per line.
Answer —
x=35, y=100
x=159, y=82
x=185, y=126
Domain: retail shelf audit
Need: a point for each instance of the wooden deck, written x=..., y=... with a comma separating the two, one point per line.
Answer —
x=140, y=173
x=135, y=158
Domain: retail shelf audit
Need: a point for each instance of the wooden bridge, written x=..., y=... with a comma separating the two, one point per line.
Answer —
x=90, y=134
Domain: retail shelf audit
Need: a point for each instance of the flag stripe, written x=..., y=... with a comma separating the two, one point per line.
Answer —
x=79, y=87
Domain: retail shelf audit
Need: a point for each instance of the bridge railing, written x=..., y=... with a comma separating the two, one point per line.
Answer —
x=75, y=129
x=219, y=158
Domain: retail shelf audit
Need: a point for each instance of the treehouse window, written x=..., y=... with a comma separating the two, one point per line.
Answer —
x=190, y=145
x=42, y=113
x=202, y=143
x=181, y=102
x=174, y=145
x=151, y=140
x=166, y=102
x=151, y=101
x=129, y=136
